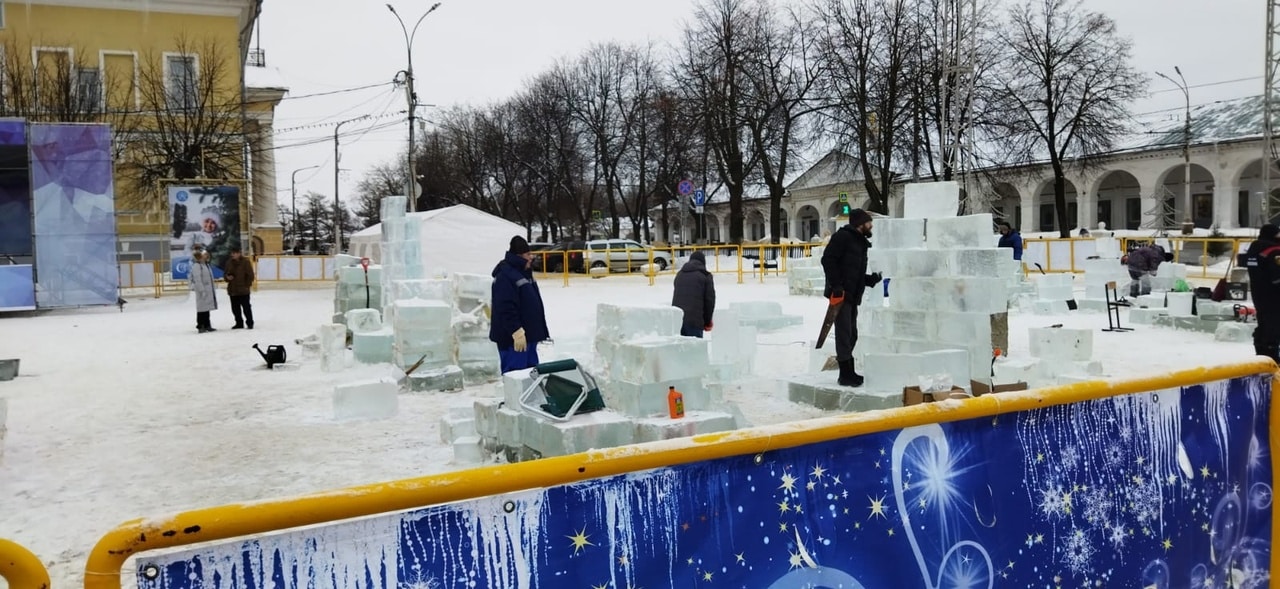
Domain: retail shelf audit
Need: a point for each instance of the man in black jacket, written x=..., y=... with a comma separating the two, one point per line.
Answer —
x=844, y=262
x=695, y=294
x=1263, y=261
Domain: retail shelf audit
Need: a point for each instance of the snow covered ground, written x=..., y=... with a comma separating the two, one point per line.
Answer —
x=122, y=415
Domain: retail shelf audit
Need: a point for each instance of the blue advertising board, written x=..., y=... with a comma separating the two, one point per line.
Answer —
x=1165, y=489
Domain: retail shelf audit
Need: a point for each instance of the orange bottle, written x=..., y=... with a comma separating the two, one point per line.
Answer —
x=675, y=403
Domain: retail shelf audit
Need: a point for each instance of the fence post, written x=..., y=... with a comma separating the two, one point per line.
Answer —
x=739, y=263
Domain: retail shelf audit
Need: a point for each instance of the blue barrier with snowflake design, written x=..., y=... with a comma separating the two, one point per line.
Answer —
x=1160, y=489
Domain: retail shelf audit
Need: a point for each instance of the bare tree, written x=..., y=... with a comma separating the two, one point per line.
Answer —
x=782, y=78
x=379, y=181
x=866, y=46
x=714, y=58
x=1063, y=89
x=191, y=125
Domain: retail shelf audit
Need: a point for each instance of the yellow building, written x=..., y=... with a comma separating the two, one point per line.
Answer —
x=188, y=101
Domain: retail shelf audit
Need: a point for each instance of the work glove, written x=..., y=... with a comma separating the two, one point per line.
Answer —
x=837, y=296
x=875, y=277
x=709, y=325
x=521, y=344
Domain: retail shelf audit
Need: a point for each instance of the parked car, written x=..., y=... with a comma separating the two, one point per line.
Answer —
x=624, y=255
x=552, y=259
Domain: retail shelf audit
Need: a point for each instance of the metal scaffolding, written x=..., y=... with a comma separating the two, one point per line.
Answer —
x=1270, y=132
x=959, y=48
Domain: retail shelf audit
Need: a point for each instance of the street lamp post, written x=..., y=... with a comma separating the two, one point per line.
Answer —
x=293, y=189
x=337, y=207
x=411, y=95
x=1181, y=83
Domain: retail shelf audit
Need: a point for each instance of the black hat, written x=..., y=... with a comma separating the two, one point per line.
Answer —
x=698, y=257
x=1269, y=231
x=859, y=217
x=518, y=245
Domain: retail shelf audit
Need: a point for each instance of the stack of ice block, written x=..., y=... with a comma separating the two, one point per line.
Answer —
x=805, y=276
x=616, y=324
x=1097, y=274
x=478, y=357
x=948, y=302
x=371, y=342
x=350, y=292
x=1052, y=293
x=1058, y=355
x=423, y=331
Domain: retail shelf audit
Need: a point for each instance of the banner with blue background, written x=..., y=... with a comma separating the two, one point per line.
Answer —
x=1161, y=489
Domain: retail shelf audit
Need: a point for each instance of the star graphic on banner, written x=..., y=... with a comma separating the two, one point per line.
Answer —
x=796, y=561
x=1167, y=544
x=782, y=527
x=784, y=507
x=706, y=576
x=810, y=485
x=1141, y=460
x=1204, y=472
x=684, y=526
x=740, y=557
x=580, y=541
x=891, y=531
x=788, y=482
x=882, y=451
x=1039, y=538
x=877, y=508
x=601, y=586
x=623, y=560
x=836, y=480
x=818, y=471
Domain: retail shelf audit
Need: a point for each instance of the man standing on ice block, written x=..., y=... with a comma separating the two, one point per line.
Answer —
x=1263, y=261
x=844, y=261
x=519, y=321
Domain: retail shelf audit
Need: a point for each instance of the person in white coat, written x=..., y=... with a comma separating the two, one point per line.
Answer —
x=204, y=288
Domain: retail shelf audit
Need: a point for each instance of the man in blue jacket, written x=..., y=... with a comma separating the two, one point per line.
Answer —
x=1010, y=238
x=519, y=320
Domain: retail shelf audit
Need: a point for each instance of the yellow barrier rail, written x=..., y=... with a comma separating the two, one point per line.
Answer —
x=1064, y=254
x=131, y=538
x=743, y=260
x=21, y=568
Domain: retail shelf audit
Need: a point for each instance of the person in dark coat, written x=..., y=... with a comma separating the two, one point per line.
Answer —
x=1263, y=261
x=239, y=276
x=519, y=320
x=695, y=293
x=844, y=261
x=1143, y=263
x=1010, y=238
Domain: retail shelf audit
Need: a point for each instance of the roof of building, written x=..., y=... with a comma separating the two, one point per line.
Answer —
x=264, y=78
x=837, y=167
x=1224, y=120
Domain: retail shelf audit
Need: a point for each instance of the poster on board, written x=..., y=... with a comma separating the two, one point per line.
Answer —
x=203, y=217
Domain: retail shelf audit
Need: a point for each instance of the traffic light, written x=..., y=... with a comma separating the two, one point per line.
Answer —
x=844, y=210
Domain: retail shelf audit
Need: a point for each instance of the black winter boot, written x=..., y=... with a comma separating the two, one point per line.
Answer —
x=848, y=378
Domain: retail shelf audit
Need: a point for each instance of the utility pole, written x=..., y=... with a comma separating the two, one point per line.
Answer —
x=1181, y=83
x=411, y=97
x=293, y=189
x=337, y=206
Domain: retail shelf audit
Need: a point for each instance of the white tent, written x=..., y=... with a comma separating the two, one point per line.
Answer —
x=454, y=239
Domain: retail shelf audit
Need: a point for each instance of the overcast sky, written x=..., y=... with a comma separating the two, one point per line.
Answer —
x=482, y=51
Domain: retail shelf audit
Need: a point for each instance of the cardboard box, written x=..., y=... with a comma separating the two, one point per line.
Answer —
x=914, y=396
x=981, y=388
